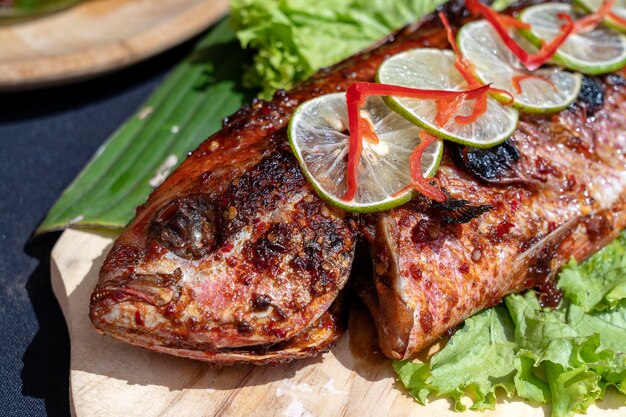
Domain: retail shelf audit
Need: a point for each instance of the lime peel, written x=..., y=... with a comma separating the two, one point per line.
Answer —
x=594, y=52
x=318, y=137
x=478, y=41
x=414, y=67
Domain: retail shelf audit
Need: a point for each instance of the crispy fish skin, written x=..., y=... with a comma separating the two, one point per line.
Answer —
x=255, y=265
x=569, y=202
x=234, y=253
x=235, y=259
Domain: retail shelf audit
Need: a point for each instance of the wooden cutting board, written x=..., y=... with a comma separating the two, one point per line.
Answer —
x=111, y=379
x=97, y=36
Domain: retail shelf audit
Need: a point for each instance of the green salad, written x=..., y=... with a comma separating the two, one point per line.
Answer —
x=566, y=356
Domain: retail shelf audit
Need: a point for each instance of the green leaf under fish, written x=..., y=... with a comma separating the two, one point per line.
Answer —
x=187, y=108
x=566, y=356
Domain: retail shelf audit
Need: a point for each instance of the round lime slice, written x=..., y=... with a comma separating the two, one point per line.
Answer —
x=434, y=69
x=547, y=90
x=599, y=51
x=318, y=134
x=618, y=8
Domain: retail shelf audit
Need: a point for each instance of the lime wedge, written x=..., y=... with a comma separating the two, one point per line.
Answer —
x=319, y=136
x=619, y=9
x=494, y=63
x=434, y=69
x=599, y=51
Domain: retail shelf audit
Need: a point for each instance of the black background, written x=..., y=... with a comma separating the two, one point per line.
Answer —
x=46, y=137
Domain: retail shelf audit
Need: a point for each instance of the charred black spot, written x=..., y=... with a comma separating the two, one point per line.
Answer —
x=615, y=80
x=186, y=226
x=425, y=231
x=494, y=165
x=266, y=250
x=260, y=302
x=262, y=189
x=592, y=94
x=456, y=211
x=244, y=327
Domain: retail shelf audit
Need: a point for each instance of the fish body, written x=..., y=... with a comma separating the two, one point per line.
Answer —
x=569, y=201
x=234, y=258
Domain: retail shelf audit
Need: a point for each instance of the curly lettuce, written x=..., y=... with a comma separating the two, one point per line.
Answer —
x=566, y=356
x=294, y=38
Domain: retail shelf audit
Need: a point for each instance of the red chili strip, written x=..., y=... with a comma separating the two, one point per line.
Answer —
x=466, y=69
x=589, y=22
x=618, y=19
x=420, y=183
x=517, y=82
x=480, y=107
x=511, y=22
x=356, y=95
x=446, y=109
x=415, y=163
x=530, y=61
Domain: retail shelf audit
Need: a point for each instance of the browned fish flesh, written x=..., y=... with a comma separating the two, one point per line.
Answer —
x=569, y=200
x=234, y=258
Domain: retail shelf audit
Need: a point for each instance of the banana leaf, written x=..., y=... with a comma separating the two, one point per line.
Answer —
x=187, y=108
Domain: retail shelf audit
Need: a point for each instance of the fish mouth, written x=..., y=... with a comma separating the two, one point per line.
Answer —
x=157, y=290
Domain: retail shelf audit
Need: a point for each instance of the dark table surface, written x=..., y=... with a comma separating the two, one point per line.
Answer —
x=46, y=137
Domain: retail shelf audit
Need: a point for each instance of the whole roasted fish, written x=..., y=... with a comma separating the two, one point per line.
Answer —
x=234, y=258
x=557, y=189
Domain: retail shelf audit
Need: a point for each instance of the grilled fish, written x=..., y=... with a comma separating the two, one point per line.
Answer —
x=568, y=200
x=234, y=258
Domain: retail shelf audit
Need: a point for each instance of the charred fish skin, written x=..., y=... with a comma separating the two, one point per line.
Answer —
x=235, y=259
x=257, y=265
x=235, y=250
x=430, y=276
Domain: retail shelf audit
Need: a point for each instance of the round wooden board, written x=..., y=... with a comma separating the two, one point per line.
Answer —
x=97, y=36
x=110, y=379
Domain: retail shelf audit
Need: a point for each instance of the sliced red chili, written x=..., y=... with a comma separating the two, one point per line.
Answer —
x=367, y=129
x=480, y=107
x=356, y=95
x=530, y=61
x=447, y=108
x=503, y=93
x=589, y=22
x=466, y=69
x=617, y=18
x=511, y=22
x=420, y=183
x=354, y=100
x=517, y=81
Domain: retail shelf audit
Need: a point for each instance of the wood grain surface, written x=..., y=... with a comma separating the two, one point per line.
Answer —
x=97, y=36
x=111, y=379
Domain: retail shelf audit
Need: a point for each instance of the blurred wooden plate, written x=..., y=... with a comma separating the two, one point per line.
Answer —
x=97, y=36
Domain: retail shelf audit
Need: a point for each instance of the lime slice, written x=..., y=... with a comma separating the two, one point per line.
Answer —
x=494, y=63
x=618, y=8
x=319, y=137
x=596, y=52
x=434, y=69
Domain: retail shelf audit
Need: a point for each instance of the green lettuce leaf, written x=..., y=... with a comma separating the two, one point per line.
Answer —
x=566, y=356
x=475, y=362
x=600, y=282
x=293, y=38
